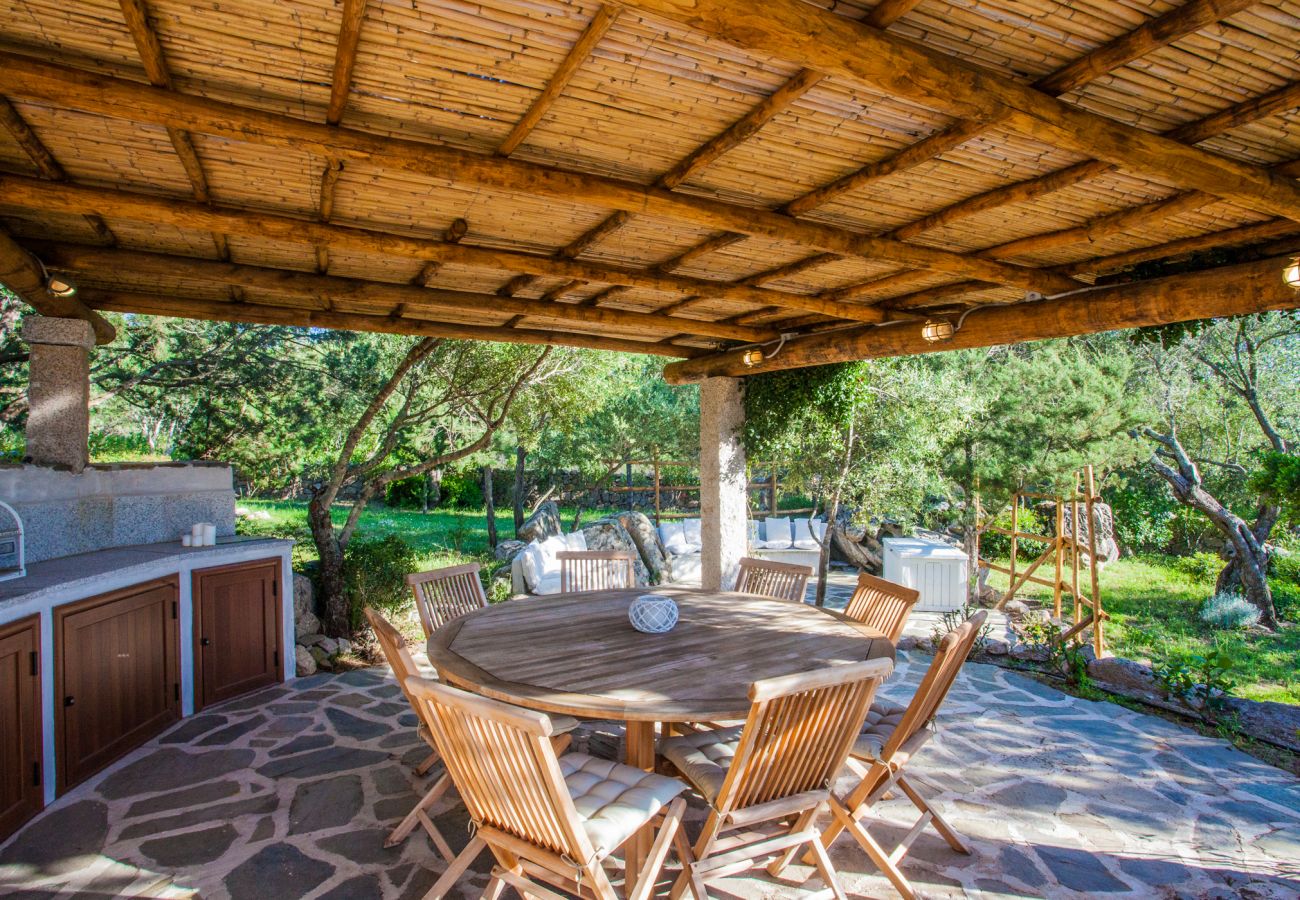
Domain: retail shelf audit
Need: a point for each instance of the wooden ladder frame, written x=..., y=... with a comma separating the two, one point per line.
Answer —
x=1067, y=554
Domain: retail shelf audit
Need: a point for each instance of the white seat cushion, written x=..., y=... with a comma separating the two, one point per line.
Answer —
x=614, y=800
x=548, y=584
x=881, y=721
x=576, y=540
x=704, y=757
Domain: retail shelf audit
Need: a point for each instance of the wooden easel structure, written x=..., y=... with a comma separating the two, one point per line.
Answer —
x=1069, y=553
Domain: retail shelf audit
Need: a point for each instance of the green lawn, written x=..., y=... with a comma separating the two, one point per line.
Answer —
x=1154, y=608
x=442, y=537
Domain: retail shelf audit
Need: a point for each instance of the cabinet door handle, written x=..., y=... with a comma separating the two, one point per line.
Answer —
x=69, y=701
x=204, y=642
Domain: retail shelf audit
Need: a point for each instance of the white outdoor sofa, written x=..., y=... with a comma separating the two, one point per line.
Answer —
x=536, y=570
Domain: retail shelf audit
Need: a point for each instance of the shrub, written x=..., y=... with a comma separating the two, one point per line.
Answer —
x=998, y=546
x=462, y=490
x=1229, y=611
x=374, y=574
x=1200, y=567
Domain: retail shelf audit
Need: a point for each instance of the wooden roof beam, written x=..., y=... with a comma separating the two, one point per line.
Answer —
x=821, y=40
x=27, y=193
x=454, y=234
x=136, y=14
x=44, y=160
x=221, y=311
x=573, y=60
x=1245, y=234
x=345, y=58
x=99, y=266
x=110, y=96
x=1233, y=290
x=22, y=274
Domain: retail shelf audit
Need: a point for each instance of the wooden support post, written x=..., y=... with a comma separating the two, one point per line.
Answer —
x=655, y=463
x=1015, y=534
x=1097, y=642
x=1060, y=549
x=1074, y=546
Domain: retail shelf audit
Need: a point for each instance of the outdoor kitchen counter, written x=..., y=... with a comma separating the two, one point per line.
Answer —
x=57, y=581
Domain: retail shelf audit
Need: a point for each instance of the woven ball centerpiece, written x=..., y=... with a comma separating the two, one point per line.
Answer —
x=653, y=613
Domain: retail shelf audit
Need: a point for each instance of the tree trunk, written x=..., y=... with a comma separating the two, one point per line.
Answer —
x=521, y=456
x=490, y=507
x=334, y=601
x=824, y=558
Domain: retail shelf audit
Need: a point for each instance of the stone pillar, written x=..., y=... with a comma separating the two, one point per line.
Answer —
x=58, y=391
x=723, y=482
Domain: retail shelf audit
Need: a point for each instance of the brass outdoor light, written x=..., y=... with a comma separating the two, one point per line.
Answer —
x=752, y=357
x=936, y=330
x=60, y=286
x=1291, y=274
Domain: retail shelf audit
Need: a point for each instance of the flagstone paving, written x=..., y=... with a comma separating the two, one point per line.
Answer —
x=289, y=792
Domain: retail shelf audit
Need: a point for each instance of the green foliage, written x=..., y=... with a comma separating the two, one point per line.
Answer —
x=462, y=489
x=1203, y=568
x=1229, y=611
x=950, y=619
x=374, y=573
x=407, y=493
x=1278, y=480
x=1146, y=513
x=1203, y=681
x=779, y=406
x=1031, y=520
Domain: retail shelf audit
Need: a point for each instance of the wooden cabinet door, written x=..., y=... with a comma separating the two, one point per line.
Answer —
x=236, y=630
x=21, y=794
x=117, y=676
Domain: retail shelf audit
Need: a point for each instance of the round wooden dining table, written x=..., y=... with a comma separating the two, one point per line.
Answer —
x=577, y=654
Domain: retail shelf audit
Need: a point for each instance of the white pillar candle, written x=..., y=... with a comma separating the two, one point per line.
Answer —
x=209, y=534
x=187, y=540
x=196, y=535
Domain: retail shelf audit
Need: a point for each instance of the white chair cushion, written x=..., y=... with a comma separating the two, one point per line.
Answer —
x=691, y=528
x=776, y=534
x=576, y=540
x=548, y=584
x=614, y=800
x=534, y=564
x=881, y=721
x=674, y=538
x=704, y=757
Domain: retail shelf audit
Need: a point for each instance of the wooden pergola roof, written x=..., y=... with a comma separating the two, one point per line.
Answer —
x=680, y=177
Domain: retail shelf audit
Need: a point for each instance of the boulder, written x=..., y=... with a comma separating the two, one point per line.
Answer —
x=305, y=663
x=310, y=639
x=646, y=538
x=328, y=645
x=543, y=523
x=996, y=647
x=908, y=642
x=1277, y=722
x=609, y=534
x=345, y=646
x=322, y=658
x=1124, y=676
x=506, y=551
x=1016, y=610
x=1103, y=519
x=304, y=606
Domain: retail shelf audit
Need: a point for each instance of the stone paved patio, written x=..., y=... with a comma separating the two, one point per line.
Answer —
x=289, y=793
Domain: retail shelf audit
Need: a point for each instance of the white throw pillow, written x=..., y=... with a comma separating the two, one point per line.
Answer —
x=674, y=538
x=575, y=541
x=551, y=546
x=691, y=528
x=778, y=534
x=534, y=565
x=803, y=537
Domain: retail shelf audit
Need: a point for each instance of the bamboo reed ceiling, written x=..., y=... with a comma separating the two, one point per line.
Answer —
x=650, y=174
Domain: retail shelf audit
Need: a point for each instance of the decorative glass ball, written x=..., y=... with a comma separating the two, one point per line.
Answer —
x=653, y=613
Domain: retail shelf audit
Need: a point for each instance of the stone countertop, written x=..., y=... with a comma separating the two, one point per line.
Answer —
x=67, y=573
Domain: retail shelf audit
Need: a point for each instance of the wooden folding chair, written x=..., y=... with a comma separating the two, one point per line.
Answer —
x=776, y=770
x=399, y=658
x=596, y=570
x=778, y=580
x=890, y=738
x=882, y=605
x=445, y=594
x=550, y=821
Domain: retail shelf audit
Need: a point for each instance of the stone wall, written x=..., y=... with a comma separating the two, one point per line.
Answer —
x=115, y=505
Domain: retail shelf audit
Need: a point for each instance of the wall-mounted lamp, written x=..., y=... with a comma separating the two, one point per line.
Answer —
x=1291, y=274
x=60, y=286
x=936, y=330
x=752, y=356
